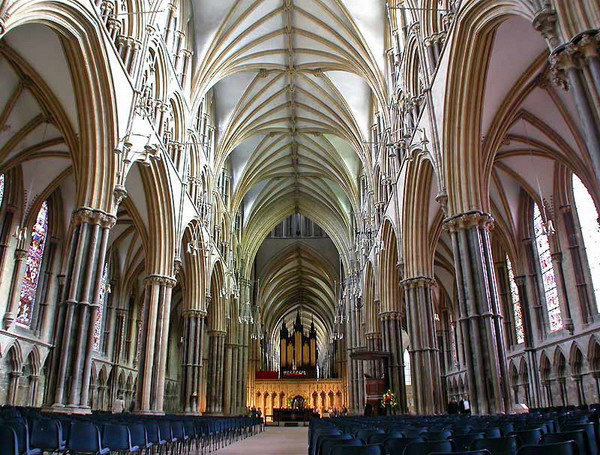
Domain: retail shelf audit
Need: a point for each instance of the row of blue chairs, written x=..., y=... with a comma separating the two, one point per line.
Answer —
x=30, y=432
x=548, y=431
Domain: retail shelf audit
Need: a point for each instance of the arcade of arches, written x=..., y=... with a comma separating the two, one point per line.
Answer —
x=299, y=198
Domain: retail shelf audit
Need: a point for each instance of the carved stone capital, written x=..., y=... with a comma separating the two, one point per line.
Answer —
x=160, y=280
x=390, y=316
x=545, y=22
x=417, y=282
x=85, y=215
x=468, y=220
x=217, y=333
x=194, y=313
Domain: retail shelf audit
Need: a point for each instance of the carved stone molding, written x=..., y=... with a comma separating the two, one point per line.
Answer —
x=194, y=313
x=468, y=220
x=417, y=282
x=160, y=280
x=85, y=215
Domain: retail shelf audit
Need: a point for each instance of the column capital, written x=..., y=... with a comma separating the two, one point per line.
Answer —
x=161, y=280
x=417, y=282
x=390, y=315
x=86, y=215
x=217, y=333
x=194, y=313
x=467, y=220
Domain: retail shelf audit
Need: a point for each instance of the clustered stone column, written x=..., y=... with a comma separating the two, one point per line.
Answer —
x=424, y=354
x=478, y=311
x=576, y=65
x=193, y=346
x=355, y=373
x=391, y=340
x=216, y=362
x=152, y=346
x=72, y=358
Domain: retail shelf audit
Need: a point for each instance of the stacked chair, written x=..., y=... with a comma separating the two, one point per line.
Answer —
x=28, y=431
x=547, y=431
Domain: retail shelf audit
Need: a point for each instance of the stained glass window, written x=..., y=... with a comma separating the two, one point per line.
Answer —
x=33, y=265
x=516, y=303
x=1, y=188
x=590, y=231
x=547, y=270
x=98, y=323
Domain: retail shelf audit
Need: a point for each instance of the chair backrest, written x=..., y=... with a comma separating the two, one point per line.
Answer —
x=528, y=437
x=45, y=434
x=369, y=449
x=365, y=434
x=396, y=446
x=437, y=435
x=557, y=448
x=330, y=444
x=579, y=436
x=164, y=427
x=137, y=431
x=590, y=429
x=331, y=437
x=83, y=437
x=497, y=446
x=470, y=452
x=379, y=438
x=493, y=432
x=427, y=447
x=463, y=441
x=10, y=444
x=152, y=431
x=116, y=437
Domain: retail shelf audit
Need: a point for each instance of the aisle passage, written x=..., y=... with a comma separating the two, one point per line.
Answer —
x=273, y=441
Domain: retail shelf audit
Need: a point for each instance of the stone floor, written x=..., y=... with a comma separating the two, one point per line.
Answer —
x=273, y=441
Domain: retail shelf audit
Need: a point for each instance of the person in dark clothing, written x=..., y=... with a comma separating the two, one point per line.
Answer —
x=453, y=407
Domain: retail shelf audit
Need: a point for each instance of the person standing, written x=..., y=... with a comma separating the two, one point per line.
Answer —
x=118, y=405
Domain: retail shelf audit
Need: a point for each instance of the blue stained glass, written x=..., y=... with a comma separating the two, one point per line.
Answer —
x=547, y=271
x=33, y=265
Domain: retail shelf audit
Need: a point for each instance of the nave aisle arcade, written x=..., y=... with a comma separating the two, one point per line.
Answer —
x=416, y=178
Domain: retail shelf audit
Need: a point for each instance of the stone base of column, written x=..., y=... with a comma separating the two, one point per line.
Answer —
x=190, y=413
x=148, y=412
x=214, y=414
x=61, y=409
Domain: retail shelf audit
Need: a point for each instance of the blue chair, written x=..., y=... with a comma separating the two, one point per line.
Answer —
x=20, y=427
x=463, y=442
x=427, y=447
x=493, y=432
x=437, y=435
x=380, y=438
x=590, y=429
x=528, y=437
x=330, y=444
x=370, y=449
x=396, y=446
x=323, y=438
x=10, y=443
x=471, y=452
x=117, y=438
x=497, y=446
x=579, y=436
x=365, y=434
x=46, y=435
x=137, y=432
x=557, y=448
x=84, y=437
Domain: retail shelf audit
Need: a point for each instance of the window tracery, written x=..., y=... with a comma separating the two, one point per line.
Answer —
x=516, y=303
x=549, y=285
x=99, y=322
x=33, y=266
x=590, y=232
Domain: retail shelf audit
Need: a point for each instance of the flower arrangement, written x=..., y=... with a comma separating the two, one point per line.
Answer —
x=388, y=402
